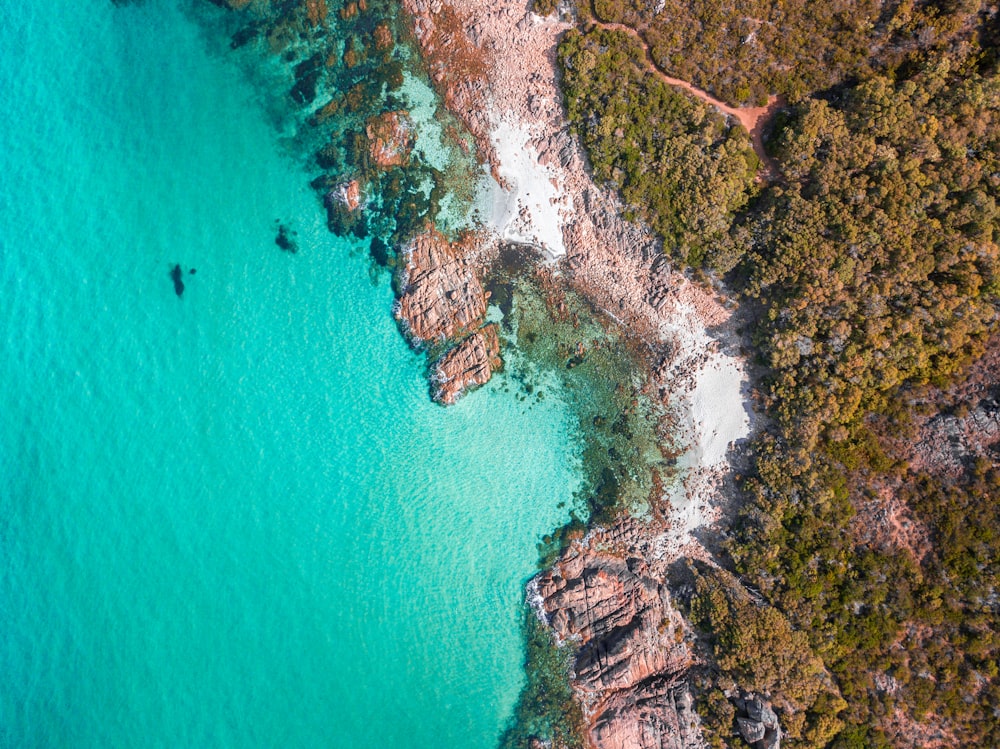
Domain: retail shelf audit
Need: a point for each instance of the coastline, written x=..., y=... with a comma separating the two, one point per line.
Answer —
x=682, y=332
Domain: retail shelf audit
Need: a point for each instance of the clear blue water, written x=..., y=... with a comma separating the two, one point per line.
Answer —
x=232, y=519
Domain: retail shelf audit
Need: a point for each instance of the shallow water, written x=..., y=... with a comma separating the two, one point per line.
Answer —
x=233, y=518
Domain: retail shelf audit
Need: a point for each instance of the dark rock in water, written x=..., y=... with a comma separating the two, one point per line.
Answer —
x=502, y=295
x=380, y=252
x=245, y=35
x=284, y=239
x=192, y=271
x=307, y=75
x=176, y=274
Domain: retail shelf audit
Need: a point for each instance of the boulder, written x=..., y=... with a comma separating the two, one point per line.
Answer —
x=759, y=726
x=343, y=208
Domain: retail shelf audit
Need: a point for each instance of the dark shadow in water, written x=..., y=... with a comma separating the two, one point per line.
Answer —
x=177, y=276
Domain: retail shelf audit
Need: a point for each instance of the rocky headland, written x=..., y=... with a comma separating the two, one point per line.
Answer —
x=442, y=303
x=608, y=595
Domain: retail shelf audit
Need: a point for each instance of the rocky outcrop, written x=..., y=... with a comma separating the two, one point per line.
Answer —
x=630, y=667
x=441, y=296
x=758, y=723
x=468, y=365
x=391, y=137
x=949, y=442
x=349, y=195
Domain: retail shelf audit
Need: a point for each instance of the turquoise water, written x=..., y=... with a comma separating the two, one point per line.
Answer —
x=231, y=519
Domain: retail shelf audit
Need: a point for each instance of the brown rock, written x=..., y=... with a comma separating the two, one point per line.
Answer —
x=349, y=194
x=442, y=297
x=390, y=139
x=328, y=110
x=343, y=207
x=631, y=664
x=383, y=37
x=316, y=11
x=468, y=365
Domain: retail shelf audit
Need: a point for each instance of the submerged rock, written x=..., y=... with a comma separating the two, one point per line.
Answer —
x=468, y=365
x=391, y=137
x=284, y=240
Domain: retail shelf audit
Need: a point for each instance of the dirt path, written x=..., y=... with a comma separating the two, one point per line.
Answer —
x=754, y=119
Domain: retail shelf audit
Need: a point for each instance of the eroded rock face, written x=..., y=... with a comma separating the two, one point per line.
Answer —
x=391, y=137
x=468, y=365
x=441, y=295
x=630, y=668
x=443, y=301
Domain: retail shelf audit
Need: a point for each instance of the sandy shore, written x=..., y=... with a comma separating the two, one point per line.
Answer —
x=511, y=102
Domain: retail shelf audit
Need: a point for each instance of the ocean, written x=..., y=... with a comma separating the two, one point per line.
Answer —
x=231, y=518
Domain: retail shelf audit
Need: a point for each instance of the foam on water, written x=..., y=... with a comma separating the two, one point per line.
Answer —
x=231, y=519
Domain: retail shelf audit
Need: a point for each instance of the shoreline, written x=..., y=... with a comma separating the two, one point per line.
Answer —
x=513, y=108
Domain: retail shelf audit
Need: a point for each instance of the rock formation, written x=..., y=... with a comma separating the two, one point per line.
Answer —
x=470, y=364
x=343, y=207
x=441, y=296
x=629, y=671
x=349, y=194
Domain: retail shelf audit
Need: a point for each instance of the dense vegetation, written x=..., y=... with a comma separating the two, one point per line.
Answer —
x=755, y=648
x=748, y=49
x=674, y=158
x=875, y=270
x=869, y=272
